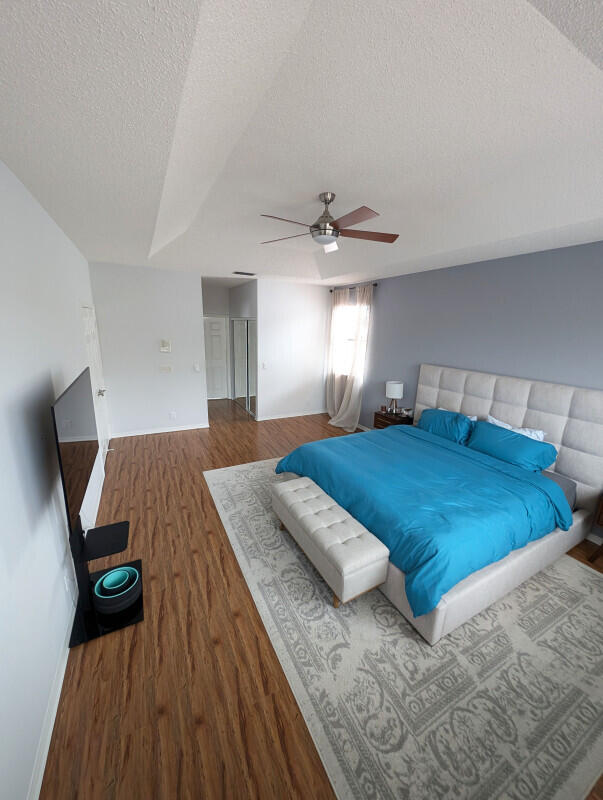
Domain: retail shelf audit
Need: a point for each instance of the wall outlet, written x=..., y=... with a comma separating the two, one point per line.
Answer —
x=165, y=368
x=172, y=415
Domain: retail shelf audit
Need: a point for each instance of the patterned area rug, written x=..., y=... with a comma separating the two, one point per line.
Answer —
x=508, y=706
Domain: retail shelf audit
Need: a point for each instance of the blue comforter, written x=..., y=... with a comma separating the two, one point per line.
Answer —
x=443, y=510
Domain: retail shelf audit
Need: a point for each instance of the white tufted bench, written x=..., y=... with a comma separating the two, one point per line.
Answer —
x=350, y=559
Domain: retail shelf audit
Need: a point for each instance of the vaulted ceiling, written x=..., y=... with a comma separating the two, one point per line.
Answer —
x=156, y=133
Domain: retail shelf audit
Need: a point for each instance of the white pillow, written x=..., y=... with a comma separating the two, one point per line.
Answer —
x=473, y=419
x=531, y=433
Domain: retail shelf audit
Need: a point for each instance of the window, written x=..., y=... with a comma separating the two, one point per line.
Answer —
x=349, y=332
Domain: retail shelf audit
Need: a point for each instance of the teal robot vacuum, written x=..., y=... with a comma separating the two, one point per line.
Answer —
x=117, y=590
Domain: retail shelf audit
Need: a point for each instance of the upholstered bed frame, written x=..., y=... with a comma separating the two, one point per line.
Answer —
x=573, y=421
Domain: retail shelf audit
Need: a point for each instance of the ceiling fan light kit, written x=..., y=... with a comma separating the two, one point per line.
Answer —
x=326, y=230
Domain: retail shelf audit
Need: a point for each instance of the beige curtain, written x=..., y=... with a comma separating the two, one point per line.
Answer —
x=348, y=337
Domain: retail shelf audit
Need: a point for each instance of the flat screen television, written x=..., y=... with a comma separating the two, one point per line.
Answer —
x=77, y=442
x=77, y=447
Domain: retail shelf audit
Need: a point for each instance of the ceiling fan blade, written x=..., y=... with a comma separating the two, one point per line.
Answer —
x=371, y=236
x=282, y=219
x=354, y=217
x=296, y=236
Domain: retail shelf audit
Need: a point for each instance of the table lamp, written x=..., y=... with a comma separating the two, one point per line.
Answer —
x=394, y=391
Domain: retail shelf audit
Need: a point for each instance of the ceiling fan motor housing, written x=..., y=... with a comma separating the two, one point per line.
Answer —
x=322, y=230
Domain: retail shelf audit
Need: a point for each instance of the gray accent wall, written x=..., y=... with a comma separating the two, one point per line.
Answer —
x=532, y=316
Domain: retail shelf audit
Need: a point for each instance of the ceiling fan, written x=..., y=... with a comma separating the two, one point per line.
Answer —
x=326, y=230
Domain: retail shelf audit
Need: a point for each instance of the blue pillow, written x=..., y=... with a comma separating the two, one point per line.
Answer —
x=514, y=448
x=450, y=425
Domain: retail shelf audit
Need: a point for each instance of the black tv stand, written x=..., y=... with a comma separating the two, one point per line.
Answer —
x=100, y=542
x=106, y=540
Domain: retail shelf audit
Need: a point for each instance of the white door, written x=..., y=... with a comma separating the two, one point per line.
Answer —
x=216, y=356
x=96, y=378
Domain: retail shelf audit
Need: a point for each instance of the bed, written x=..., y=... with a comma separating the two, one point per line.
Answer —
x=439, y=598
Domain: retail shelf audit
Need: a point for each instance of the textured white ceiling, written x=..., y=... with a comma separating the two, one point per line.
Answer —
x=156, y=133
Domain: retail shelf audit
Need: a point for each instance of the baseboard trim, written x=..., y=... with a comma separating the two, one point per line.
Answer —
x=594, y=537
x=37, y=774
x=292, y=414
x=147, y=431
x=363, y=427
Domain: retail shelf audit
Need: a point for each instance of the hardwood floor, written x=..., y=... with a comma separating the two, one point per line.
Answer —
x=192, y=703
x=583, y=551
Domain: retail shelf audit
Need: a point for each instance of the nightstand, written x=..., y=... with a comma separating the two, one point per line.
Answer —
x=383, y=420
x=598, y=521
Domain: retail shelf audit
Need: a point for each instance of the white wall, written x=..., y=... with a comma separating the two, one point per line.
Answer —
x=292, y=343
x=45, y=282
x=137, y=307
x=244, y=300
x=216, y=298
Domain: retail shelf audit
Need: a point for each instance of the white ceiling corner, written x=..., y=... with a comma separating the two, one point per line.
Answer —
x=157, y=133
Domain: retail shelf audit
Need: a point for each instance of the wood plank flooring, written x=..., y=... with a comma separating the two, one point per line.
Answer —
x=192, y=703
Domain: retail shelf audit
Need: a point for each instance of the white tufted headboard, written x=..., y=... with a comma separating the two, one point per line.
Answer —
x=571, y=417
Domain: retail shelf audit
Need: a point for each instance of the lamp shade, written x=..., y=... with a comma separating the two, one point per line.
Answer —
x=394, y=390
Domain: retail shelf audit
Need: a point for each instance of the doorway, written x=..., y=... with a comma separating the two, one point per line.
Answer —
x=245, y=365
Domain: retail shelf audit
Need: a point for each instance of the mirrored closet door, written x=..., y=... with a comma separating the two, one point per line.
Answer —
x=244, y=336
x=252, y=365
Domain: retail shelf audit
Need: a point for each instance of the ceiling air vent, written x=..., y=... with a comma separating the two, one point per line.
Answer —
x=247, y=274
